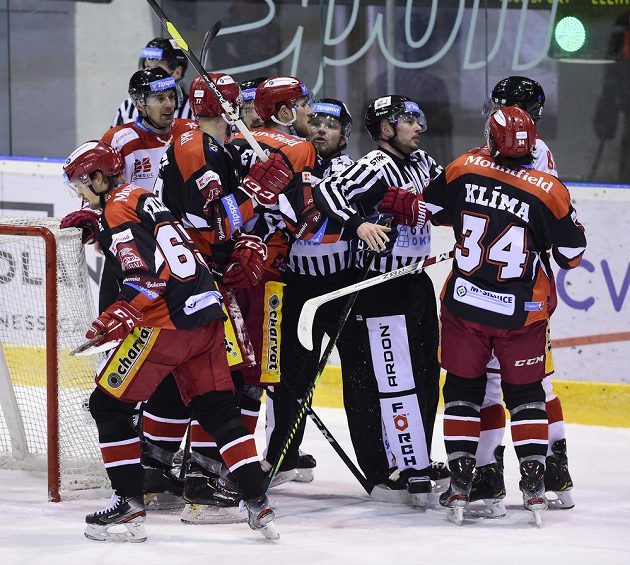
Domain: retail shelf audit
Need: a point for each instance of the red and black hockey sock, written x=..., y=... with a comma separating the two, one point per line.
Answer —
x=250, y=408
x=526, y=404
x=119, y=442
x=462, y=403
x=205, y=455
x=165, y=419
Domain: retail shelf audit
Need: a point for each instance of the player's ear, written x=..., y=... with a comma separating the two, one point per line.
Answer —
x=285, y=114
x=178, y=73
x=387, y=130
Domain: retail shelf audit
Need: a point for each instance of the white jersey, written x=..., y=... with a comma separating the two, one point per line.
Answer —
x=543, y=158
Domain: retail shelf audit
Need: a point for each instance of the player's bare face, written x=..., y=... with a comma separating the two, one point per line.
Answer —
x=160, y=108
x=408, y=132
x=326, y=135
x=250, y=117
x=303, y=114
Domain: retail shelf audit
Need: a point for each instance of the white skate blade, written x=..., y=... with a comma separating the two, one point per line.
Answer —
x=208, y=514
x=283, y=477
x=380, y=493
x=303, y=475
x=132, y=532
x=562, y=501
x=162, y=501
x=270, y=531
x=537, y=518
x=494, y=508
x=455, y=514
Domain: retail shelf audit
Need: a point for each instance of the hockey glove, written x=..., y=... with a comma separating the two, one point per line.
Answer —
x=86, y=221
x=115, y=323
x=266, y=180
x=211, y=192
x=246, y=263
x=407, y=208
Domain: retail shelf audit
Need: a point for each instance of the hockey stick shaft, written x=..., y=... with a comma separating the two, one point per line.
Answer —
x=367, y=485
x=231, y=112
x=307, y=315
x=308, y=397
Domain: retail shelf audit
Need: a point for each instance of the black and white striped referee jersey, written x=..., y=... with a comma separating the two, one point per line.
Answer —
x=354, y=194
x=128, y=113
x=317, y=260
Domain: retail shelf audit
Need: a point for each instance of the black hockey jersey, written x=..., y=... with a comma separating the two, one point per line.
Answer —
x=505, y=222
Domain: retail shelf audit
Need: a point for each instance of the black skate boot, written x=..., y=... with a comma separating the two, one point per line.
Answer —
x=210, y=500
x=488, y=485
x=126, y=512
x=533, y=488
x=418, y=485
x=260, y=516
x=162, y=489
x=557, y=477
x=305, y=468
x=457, y=495
x=438, y=472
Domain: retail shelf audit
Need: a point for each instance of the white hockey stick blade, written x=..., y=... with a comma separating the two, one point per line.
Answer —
x=92, y=348
x=309, y=309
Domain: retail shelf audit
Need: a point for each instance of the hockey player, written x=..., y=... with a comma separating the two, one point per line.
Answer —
x=168, y=317
x=398, y=319
x=283, y=104
x=248, y=113
x=200, y=185
x=488, y=484
x=506, y=217
x=164, y=54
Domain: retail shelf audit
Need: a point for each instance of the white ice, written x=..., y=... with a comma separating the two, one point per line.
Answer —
x=333, y=521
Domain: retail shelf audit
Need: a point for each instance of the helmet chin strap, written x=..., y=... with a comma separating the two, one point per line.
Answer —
x=145, y=117
x=287, y=124
x=392, y=141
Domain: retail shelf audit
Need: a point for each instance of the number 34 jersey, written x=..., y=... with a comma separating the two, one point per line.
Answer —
x=159, y=269
x=505, y=223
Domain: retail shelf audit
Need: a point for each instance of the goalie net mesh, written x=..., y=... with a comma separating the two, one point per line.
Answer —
x=25, y=365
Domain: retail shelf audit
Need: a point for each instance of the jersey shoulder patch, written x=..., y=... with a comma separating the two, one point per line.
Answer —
x=120, y=136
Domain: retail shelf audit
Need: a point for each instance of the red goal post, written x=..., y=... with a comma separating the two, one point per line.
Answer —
x=45, y=308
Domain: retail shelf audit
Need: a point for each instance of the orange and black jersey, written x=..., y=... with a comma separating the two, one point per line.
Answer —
x=158, y=268
x=296, y=212
x=505, y=222
x=192, y=166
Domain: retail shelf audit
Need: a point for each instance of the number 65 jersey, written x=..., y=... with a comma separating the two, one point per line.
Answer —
x=505, y=223
x=159, y=269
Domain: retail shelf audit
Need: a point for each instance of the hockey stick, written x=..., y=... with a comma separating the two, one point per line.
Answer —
x=92, y=347
x=207, y=40
x=367, y=485
x=307, y=315
x=231, y=112
x=308, y=397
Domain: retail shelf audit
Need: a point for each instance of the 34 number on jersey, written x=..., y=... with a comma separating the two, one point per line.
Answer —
x=508, y=250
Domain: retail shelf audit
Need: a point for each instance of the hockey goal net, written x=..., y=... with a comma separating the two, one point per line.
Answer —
x=45, y=308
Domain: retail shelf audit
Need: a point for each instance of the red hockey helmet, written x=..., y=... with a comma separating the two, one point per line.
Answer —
x=277, y=90
x=513, y=132
x=204, y=103
x=90, y=157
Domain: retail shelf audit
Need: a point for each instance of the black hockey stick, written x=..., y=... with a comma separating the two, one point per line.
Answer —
x=207, y=40
x=231, y=112
x=367, y=485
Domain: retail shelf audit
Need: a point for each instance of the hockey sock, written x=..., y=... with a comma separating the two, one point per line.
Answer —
x=204, y=450
x=526, y=404
x=250, y=406
x=491, y=436
x=219, y=416
x=165, y=419
x=119, y=443
x=462, y=403
x=556, y=421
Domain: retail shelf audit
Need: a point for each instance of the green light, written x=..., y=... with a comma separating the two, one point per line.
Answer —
x=570, y=34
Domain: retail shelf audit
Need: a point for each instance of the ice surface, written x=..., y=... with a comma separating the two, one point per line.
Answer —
x=333, y=521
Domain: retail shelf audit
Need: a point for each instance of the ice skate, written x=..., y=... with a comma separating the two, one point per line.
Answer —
x=557, y=477
x=418, y=486
x=162, y=489
x=489, y=486
x=210, y=500
x=533, y=488
x=120, y=521
x=438, y=472
x=393, y=490
x=260, y=516
x=456, y=497
x=304, y=472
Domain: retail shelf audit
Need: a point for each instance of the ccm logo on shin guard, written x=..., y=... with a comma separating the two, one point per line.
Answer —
x=527, y=362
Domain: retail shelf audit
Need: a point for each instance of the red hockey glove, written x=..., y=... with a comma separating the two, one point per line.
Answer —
x=267, y=180
x=211, y=191
x=86, y=221
x=407, y=208
x=246, y=263
x=115, y=323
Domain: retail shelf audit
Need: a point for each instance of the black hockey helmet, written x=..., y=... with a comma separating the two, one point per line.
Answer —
x=160, y=49
x=248, y=88
x=390, y=108
x=336, y=109
x=151, y=81
x=523, y=92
